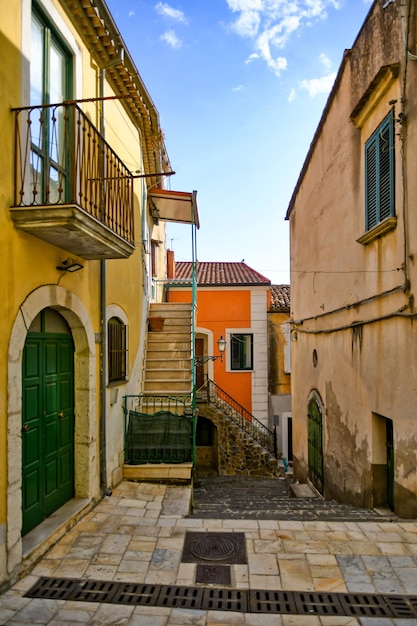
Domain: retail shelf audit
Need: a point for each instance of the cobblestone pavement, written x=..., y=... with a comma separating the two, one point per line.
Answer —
x=234, y=497
x=137, y=535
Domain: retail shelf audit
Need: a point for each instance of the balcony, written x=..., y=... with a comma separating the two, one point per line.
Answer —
x=71, y=189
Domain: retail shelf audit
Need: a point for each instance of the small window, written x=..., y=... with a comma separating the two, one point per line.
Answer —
x=154, y=259
x=117, y=349
x=379, y=174
x=241, y=355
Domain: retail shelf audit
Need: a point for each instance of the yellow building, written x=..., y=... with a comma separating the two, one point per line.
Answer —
x=353, y=276
x=279, y=368
x=82, y=249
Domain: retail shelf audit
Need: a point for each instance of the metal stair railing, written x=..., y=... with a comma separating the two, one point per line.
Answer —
x=240, y=416
x=158, y=429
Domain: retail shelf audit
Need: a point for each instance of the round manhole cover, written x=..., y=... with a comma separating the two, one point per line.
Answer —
x=214, y=547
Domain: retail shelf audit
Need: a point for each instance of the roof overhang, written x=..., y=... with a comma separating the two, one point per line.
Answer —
x=174, y=206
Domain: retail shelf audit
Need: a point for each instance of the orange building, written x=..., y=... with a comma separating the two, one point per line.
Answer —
x=232, y=303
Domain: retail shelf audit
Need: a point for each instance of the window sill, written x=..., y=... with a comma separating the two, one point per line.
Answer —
x=117, y=383
x=378, y=231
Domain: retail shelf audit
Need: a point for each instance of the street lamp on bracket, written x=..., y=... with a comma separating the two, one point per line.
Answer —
x=201, y=360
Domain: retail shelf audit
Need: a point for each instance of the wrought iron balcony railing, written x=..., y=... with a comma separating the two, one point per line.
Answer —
x=61, y=159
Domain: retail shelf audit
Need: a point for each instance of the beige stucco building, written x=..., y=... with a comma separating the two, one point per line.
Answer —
x=353, y=276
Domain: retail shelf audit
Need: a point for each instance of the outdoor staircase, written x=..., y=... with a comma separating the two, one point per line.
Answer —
x=239, y=453
x=168, y=367
x=168, y=384
x=247, y=447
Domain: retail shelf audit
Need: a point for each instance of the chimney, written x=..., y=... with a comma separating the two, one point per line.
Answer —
x=170, y=264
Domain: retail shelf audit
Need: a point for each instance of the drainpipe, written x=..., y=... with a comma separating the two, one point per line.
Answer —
x=105, y=490
x=103, y=364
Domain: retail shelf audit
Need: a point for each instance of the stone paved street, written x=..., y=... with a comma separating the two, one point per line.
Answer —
x=251, y=497
x=137, y=535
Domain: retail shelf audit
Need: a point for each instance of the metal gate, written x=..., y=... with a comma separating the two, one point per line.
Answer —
x=315, y=444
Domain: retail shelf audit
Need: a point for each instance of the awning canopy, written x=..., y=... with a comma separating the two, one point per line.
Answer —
x=174, y=206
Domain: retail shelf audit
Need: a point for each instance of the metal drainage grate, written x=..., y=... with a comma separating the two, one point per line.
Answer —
x=225, y=600
x=272, y=602
x=215, y=547
x=243, y=600
x=213, y=574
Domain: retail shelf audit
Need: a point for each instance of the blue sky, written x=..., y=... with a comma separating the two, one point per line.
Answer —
x=239, y=86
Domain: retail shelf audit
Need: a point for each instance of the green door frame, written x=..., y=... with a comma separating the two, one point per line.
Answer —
x=315, y=443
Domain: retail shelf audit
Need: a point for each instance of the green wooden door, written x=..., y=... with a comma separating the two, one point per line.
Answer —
x=315, y=444
x=47, y=426
x=390, y=463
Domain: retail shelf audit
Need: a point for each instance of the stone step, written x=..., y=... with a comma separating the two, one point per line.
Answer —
x=166, y=386
x=167, y=373
x=172, y=307
x=174, y=320
x=163, y=335
x=249, y=497
x=170, y=359
x=168, y=363
x=172, y=317
x=175, y=342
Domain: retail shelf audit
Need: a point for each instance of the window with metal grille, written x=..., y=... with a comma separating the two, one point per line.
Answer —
x=379, y=173
x=241, y=352
x=117, y=349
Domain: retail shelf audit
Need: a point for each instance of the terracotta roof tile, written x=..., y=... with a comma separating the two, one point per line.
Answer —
x=280, y=298
x=219, y=273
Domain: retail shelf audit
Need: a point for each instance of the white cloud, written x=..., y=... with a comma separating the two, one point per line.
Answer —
x=168, y=11
x=293, y=95
x=252, y=57
x=325, y=61
x=245, y=5
x=131, y=14
x=271, y=23
x=171, y=39
x=238, y=88
x=247, y=24
x=314, y=86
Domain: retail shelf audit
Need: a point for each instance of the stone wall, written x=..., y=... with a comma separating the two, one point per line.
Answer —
x=237, y=452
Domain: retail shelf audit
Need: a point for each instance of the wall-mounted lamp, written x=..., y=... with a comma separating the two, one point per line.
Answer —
x=221, y=344
x=69, y=265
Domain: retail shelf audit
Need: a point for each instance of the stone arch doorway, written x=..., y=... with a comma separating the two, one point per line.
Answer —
x=315, y=441
x=206, y=446
x=86, y=452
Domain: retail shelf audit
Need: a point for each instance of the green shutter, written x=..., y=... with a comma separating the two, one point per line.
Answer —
x=386, y=149
x=371, y=185
x=379, y=174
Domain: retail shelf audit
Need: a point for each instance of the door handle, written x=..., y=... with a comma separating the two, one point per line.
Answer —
x=25, y=428
x=61, y=415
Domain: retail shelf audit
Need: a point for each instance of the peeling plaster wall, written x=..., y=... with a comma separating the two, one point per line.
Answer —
x=351, y=399
x=353, y=301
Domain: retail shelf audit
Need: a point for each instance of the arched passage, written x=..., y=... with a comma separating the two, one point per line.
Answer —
x=206, y=446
